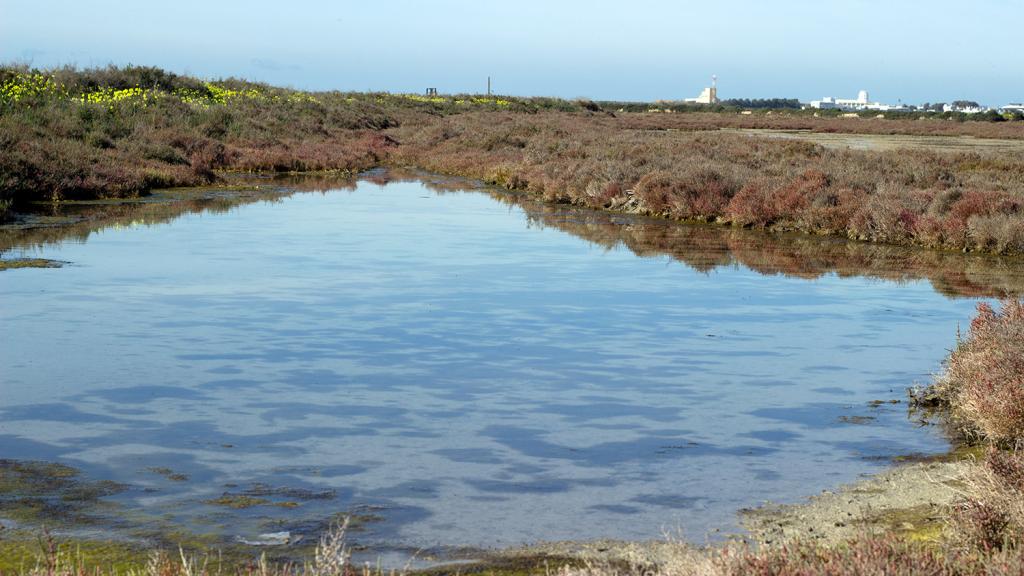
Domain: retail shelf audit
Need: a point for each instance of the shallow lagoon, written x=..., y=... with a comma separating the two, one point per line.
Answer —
x=458, y=369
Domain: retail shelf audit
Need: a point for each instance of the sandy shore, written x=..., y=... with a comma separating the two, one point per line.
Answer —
x=908, y=499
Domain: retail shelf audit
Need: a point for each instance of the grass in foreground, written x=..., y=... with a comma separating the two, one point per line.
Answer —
x=865, y=555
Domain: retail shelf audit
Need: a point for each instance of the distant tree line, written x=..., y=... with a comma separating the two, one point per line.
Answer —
x=763, y=103
x=958, y=104
x=722, y=106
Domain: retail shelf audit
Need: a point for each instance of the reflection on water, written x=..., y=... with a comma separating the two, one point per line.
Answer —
x=460, y=371
x=700, y=247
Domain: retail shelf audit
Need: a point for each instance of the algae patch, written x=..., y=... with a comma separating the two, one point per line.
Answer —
x=922, y=523
x=168, y=474
x=15, y=263
x=40, y=492
x=265, y=495
x=21, y=551
x=237, y=501
x=859, y=420
x=263, y=490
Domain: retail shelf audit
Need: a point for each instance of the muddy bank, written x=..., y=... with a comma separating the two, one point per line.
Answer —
x=908, y=500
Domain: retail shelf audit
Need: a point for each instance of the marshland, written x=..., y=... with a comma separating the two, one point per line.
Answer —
x=237, y=316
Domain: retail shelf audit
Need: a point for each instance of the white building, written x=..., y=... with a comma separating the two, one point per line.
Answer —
x=1017, y=108
x=862, y=102
x=963, y=109
x=707, y=96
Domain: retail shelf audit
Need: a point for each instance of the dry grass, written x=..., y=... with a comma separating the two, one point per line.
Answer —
x=865, y=555
x=990, y=514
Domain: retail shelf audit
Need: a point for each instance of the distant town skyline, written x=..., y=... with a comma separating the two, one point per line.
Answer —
x=910, y=51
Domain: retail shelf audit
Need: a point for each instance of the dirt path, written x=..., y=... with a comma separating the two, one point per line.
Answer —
x=884, y=142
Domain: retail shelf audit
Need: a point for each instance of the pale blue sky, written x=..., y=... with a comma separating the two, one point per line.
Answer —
x=909, y=50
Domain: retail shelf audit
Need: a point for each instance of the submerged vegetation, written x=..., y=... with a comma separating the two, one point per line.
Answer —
x=14, y=263
x=36, y=493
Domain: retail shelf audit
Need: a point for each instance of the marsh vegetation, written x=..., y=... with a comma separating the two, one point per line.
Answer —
x=120, y=132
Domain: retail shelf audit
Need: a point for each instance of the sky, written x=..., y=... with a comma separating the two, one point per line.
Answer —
x=909, y=51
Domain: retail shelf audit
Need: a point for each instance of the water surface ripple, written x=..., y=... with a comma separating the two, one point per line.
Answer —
x=461, y=370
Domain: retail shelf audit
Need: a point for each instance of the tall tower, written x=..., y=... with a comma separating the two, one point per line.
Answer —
x=714, y=89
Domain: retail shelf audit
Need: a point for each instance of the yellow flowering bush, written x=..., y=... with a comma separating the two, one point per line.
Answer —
x=111, y=98
x=18, y=87
x=21, y=86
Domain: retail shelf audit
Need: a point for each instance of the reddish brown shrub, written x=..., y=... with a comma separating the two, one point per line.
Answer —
x=761, y=204
x=963, y=206
x=752, y=205
x=1000, y=233
x=973, y=203
x=892, y=215
x=831, y=210
x=679, y=165
x=702, y=193
x=600, y=195
x=984, y=380
x=978, y=524
x=1008, y=467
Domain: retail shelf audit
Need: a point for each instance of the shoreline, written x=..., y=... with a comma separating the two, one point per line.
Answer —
x=243, y=185
x=890, y=500
x=952, y=273
x=906, y=500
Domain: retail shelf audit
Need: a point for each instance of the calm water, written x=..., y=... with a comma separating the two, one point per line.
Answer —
x=461, y=370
